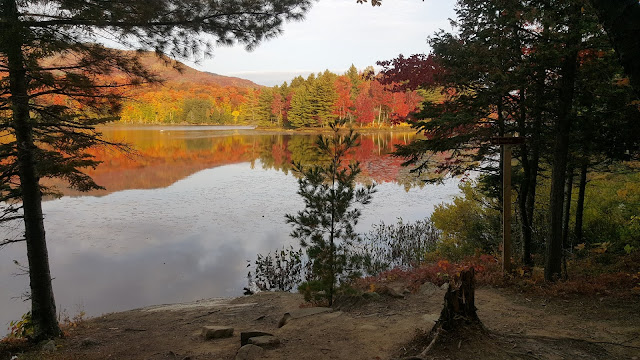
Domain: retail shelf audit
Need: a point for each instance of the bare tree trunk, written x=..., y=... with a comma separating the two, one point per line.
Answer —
x=553, y=260
x=580, y=204
x=568, y=189
x=43, y=308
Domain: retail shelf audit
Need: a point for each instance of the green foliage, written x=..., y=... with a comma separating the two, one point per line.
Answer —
x=325, y=228
x=21, y=329
x=281, y=271
x=196, y=110
x=402, y=245
x=468, y=224
x=611, y=210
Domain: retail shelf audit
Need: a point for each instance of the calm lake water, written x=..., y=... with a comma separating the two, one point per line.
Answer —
x=180, y=217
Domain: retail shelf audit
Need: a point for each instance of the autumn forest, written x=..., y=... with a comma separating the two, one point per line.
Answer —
x=312, y=102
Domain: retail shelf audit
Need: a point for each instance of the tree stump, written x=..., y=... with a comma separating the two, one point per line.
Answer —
x=459, y=303
x=459, y=309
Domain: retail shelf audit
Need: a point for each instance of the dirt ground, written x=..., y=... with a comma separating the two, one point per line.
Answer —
x=517, y=327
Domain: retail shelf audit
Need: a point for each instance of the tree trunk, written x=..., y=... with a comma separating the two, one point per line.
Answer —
x=43, y=308
x=620, y=19
x=568, y=189
x=553, y=260
x=580, y=204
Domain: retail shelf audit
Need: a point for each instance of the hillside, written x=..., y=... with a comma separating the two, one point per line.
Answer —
x=191, y=75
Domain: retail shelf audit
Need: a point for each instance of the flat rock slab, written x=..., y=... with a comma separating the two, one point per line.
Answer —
x=300, y=313
x=216, y=332
x=246, y=335
x=249, y=352
x=265, y=342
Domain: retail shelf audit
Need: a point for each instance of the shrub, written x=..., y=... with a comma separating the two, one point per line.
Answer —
x=467, y=225
x=280, y=271
x=402, y=245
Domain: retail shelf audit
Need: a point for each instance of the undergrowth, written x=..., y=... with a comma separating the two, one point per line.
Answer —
x=586, y=277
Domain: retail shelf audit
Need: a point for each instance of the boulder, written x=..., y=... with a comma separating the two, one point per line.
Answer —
x=249, y=352
x=390, y=291
x=265, y=342
x=246, y=335
x=216, y=332
x=429, y=288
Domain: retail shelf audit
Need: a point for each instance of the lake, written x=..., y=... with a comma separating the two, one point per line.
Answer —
x=179, y=217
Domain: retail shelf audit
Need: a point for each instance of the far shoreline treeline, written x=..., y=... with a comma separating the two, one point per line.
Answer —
x=313, y=102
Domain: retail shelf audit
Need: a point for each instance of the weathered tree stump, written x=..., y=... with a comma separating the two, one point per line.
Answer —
x=459, y=309
x=459, y=302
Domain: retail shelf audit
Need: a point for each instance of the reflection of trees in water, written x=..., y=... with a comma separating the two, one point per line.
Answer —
x=164, y=157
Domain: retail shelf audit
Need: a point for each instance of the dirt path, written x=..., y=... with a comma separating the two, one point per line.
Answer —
x=518, y=328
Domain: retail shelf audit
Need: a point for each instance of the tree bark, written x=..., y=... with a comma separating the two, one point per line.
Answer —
x=568, y=189
x=43, y=308
x=621, y=20
x=580, y=204
x=459, y=302
x=553, y=260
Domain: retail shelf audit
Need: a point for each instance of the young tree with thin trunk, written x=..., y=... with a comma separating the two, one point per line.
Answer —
x=326, y=226
x=48, y=52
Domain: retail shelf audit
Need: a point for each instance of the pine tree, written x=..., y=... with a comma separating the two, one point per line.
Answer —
x=326, y=226
x=300, y=113
x=48, y=50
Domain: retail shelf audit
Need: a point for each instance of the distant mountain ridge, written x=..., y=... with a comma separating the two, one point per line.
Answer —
x=191, y=75
x=167, y=70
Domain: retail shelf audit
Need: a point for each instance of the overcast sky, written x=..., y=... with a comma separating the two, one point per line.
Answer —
x=334, y=35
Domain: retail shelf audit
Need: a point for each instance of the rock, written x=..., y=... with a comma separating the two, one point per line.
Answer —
x=249, y=352
x=49, y=346
x=265, y=342
x=246, y=335
x=390, y=291
x=431, y=317
x=429, y=288
x=88, y=342
x=216, y=332
x=285, y=319
x=445, y=286
x=300, y=313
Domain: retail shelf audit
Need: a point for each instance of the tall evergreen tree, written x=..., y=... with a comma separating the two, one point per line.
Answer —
x=512, y=67
x=323, y=95
x=300, y=112
x=47, y=50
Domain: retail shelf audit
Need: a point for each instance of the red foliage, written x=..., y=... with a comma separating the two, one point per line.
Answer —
x=418, y=70
x=582, y=282
x=343, y=104
x=364, y=105
x=486, y=266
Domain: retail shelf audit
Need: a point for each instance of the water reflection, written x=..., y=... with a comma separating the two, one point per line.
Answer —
x=177, y=222
x=166, y=155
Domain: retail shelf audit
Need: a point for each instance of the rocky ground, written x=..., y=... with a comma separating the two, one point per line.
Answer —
x=384, y=326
